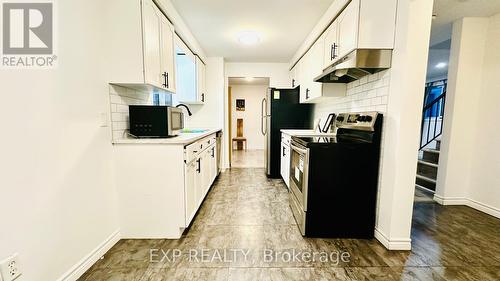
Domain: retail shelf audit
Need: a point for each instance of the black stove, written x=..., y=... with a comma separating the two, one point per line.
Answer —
x=334, y=180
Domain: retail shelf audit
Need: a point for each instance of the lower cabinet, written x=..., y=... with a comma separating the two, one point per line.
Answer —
x=191, y=180
x=200, y=173
x=285, y=163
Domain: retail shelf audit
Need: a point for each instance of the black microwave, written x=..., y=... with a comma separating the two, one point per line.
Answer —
x=155, y=121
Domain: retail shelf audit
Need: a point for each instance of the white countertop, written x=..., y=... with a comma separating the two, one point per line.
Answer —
x=305, y=133
x=182, y=139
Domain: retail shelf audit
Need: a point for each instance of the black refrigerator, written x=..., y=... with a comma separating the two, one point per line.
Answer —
x=281, y=109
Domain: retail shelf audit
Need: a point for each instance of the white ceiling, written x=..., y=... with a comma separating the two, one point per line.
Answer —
x=283, y=25
x=247, y=81
x=448, y=11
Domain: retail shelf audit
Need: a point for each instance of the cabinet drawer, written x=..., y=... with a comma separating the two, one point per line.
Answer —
x=192, y=150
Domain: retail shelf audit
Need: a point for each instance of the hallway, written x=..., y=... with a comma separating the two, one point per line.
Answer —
x=246, y=211
x=248, y=158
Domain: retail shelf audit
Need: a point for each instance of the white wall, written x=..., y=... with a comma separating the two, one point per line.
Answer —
x=485, y=180
x=58, y=196
x=464, y=87
x=253, y=95
x=278, y=73
x=468, y=166
x=210, y=114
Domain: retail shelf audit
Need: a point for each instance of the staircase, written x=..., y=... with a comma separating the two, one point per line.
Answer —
x=427, y=167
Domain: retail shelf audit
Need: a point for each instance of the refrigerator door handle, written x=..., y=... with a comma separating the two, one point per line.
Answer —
x=263, y=109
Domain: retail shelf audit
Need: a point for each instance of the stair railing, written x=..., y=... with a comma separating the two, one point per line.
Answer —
x=432, y=120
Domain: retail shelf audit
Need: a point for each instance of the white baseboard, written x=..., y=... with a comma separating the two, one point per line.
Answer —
x=490, y=210
x=485, y=208
x=398, y=244
x=450, y=200
x=83, y=265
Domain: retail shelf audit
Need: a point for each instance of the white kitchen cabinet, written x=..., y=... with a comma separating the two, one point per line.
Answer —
x=191, y=181
x=152, y=25
x=304, y=77
x=205, y=172
x=201, y=80
x=294, y=80
x=201, y=172
x=285, y=163
x=314, y=92
x=167, y=55
x=330, y=44
x=213, y=163
x=141, y=47
x=363, y=24
x=160, y=186
x=347, y=25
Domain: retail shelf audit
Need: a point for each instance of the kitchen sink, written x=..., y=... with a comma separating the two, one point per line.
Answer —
x=194, y=131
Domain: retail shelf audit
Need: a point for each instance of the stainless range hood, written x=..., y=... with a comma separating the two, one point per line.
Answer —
x=358, y=63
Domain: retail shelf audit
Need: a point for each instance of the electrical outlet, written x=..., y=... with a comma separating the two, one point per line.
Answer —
x=10, y=268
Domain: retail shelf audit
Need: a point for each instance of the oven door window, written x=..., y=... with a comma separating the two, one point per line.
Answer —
x=297, y=169
x=177, y=120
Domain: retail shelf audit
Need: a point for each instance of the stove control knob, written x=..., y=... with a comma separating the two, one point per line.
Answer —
x=361, y=118
x=340, y=118
x=368, y=118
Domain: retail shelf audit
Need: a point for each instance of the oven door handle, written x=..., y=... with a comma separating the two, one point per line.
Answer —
x=299, y=150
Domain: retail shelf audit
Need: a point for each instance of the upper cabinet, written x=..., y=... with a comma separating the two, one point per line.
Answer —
x=310, y=67
x=200, y=80
x=330, y=44
x=361, y=24
x=158, y=41
x=347, y=28
x=142, y=49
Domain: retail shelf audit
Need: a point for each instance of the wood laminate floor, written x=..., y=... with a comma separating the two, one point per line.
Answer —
x=246, y=219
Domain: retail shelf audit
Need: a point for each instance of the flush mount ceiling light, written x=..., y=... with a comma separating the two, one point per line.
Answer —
x=441, y=65
x=248, y=38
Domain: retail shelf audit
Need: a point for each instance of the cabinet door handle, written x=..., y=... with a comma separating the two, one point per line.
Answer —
x=213, y=152
x=332, y=50
x=307, y=94
x=202, y=97
x=284, y=154
x=199, y=166
x=335, y=48
x=293, y=83
x=165, y=80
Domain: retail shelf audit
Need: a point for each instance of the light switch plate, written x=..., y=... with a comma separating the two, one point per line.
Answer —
x=104, y=119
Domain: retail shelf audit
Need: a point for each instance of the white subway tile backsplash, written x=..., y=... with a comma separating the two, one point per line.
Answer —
x=384, y=91
x=363, y=80
x=376, y=101
x=120, y=98
x=366, y=94
x=121, y=108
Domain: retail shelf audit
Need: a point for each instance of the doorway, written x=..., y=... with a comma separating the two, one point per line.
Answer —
x=246, y=141
x=434, y=103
